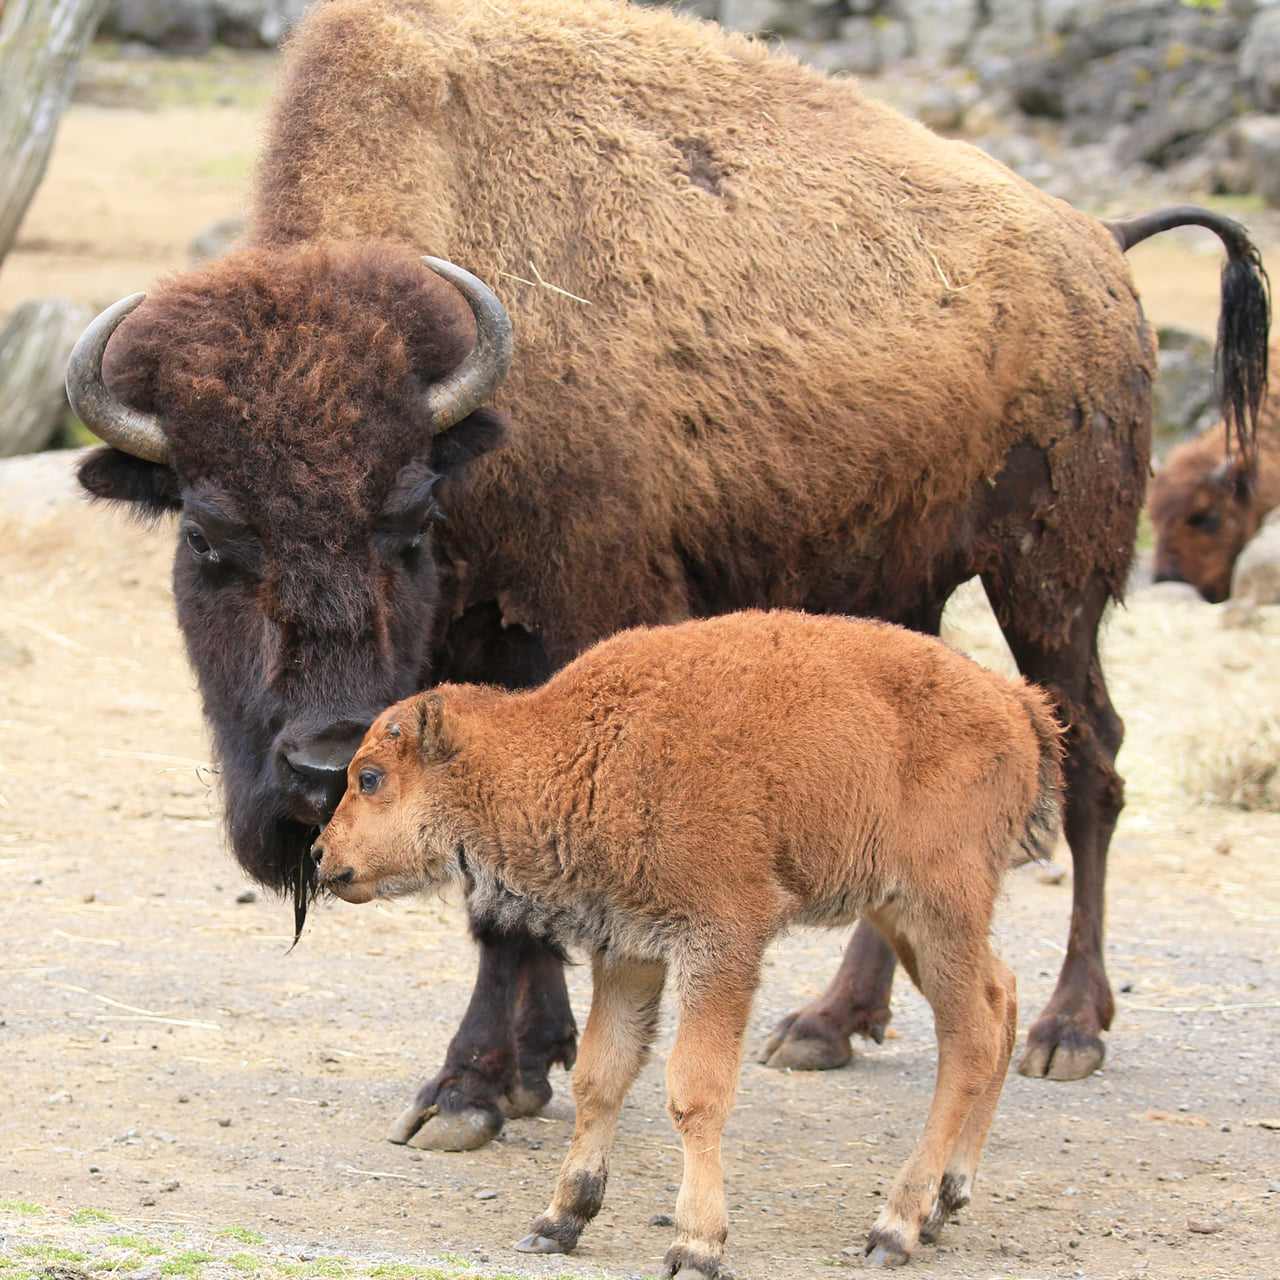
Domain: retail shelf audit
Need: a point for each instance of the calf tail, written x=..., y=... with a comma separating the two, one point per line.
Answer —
x=1244, y=317
x=1039, y=833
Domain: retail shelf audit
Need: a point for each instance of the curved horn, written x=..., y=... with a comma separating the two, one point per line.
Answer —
x=107, y=417
x=465, y=389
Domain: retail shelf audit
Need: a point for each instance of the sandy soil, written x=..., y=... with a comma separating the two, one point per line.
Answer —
x=173, y=1068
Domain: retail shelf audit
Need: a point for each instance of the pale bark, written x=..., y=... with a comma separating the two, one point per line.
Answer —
x=40, y=46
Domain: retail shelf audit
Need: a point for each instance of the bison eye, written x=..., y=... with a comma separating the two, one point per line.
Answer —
x=1207, y=521
x=200, y=547
x=370, y=781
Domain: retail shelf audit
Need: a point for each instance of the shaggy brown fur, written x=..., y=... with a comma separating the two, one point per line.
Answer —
x=776, y=346
x=673, y=799
x=1204, y=507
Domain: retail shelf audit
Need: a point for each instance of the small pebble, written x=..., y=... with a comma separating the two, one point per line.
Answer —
x=486, y=1194
x=1205, y=1226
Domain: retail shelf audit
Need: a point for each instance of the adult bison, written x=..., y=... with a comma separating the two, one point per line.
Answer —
x=777, y=346
x=1206, y=502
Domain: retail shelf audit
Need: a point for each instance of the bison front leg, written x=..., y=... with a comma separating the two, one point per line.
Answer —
x=856, y=1002
x=518, y=1023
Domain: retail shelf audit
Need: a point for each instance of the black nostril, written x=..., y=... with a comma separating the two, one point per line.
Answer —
x=322, y=782
x=312, y=769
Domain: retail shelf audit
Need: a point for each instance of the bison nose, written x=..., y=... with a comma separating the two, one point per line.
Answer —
x=313, y=771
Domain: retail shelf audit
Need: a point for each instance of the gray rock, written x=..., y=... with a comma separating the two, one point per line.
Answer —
x=1182, y=397
x=1260, y=60
x=34, y=345
x=177, y=26
x=1255, y=144
x=1256, y=576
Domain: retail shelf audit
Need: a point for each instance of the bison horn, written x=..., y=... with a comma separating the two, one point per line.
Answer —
x=481, y=373
x=107, y=417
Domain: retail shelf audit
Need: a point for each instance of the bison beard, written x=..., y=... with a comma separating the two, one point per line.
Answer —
x=778, y=347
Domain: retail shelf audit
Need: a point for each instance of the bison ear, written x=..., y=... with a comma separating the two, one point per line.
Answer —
x=1232, y=478
x=462, y=443
x=432, y=727
x=114, y=476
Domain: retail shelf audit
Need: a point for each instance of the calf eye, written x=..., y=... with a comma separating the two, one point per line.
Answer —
x=1207, y=521
x=370, y=781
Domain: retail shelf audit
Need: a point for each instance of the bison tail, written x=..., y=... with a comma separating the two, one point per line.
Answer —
x=1039, y=832
x=1244, y=318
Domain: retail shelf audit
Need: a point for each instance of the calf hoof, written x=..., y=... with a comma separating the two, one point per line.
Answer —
x=466, y=1130
x=534, y=1243
x=885, y=1251
x=1057, y=1050
x=684, y=1263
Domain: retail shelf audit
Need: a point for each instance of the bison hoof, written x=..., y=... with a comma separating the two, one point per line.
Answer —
x=809, y=1055
x=525, y=1100
x=1063, y=1054
x=466, y=1130
x=539, y=1244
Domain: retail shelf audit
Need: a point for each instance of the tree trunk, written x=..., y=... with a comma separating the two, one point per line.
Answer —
x=40, y=46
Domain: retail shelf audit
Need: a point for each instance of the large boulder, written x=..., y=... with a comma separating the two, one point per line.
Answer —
x=34, y=345
x=1256, y=576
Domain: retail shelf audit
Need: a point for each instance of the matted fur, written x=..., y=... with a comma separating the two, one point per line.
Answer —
x=1204, y=505
x=676, y=796
x=768, y=258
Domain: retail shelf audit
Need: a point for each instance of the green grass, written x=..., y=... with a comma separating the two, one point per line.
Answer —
x=50, y=1253
x=186, y=1263
x=138, y=1243
x=81, y=1216
x=243, y=1234
x=20, y=1206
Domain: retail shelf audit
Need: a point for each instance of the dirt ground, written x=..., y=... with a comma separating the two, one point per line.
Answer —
x=174, y=1073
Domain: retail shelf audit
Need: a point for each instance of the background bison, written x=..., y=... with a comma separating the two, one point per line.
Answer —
x=1205, y=503
x=798, y=351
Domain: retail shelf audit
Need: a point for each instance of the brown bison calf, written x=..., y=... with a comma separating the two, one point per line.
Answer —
x=675, y=798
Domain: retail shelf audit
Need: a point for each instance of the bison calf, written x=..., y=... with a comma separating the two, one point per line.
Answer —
x=671, y=801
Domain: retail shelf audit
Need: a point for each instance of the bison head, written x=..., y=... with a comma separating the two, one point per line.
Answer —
x=1203, y=510
x=298, y=408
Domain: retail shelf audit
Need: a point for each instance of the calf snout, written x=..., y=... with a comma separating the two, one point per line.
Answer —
x=311, y=768
x=337, y=875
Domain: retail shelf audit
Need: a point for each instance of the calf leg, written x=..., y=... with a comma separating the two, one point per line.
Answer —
x=1065, y=1042
x=620, y=1029
x=957, y=1182
x=952, y=963
x=702, y=1078
x=816, y=1038
x=519, y=982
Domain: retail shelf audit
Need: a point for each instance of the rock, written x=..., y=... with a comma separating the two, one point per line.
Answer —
x=177, y=26
x=1255, y=142
x=1182, y=398
x=1260, y=60
x=215, y=240
x=34, y=345
x=1257, y=573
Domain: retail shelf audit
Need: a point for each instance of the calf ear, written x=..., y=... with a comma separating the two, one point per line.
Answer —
x=432, y=728
x=465, y=441
x=114, y=476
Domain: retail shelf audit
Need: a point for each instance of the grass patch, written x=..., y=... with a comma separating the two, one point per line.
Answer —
x=139, y=1244
x=20, y=1206
x=186, y=1263
x=243, y=1234
x=81, y=1216
x=50, y=1253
